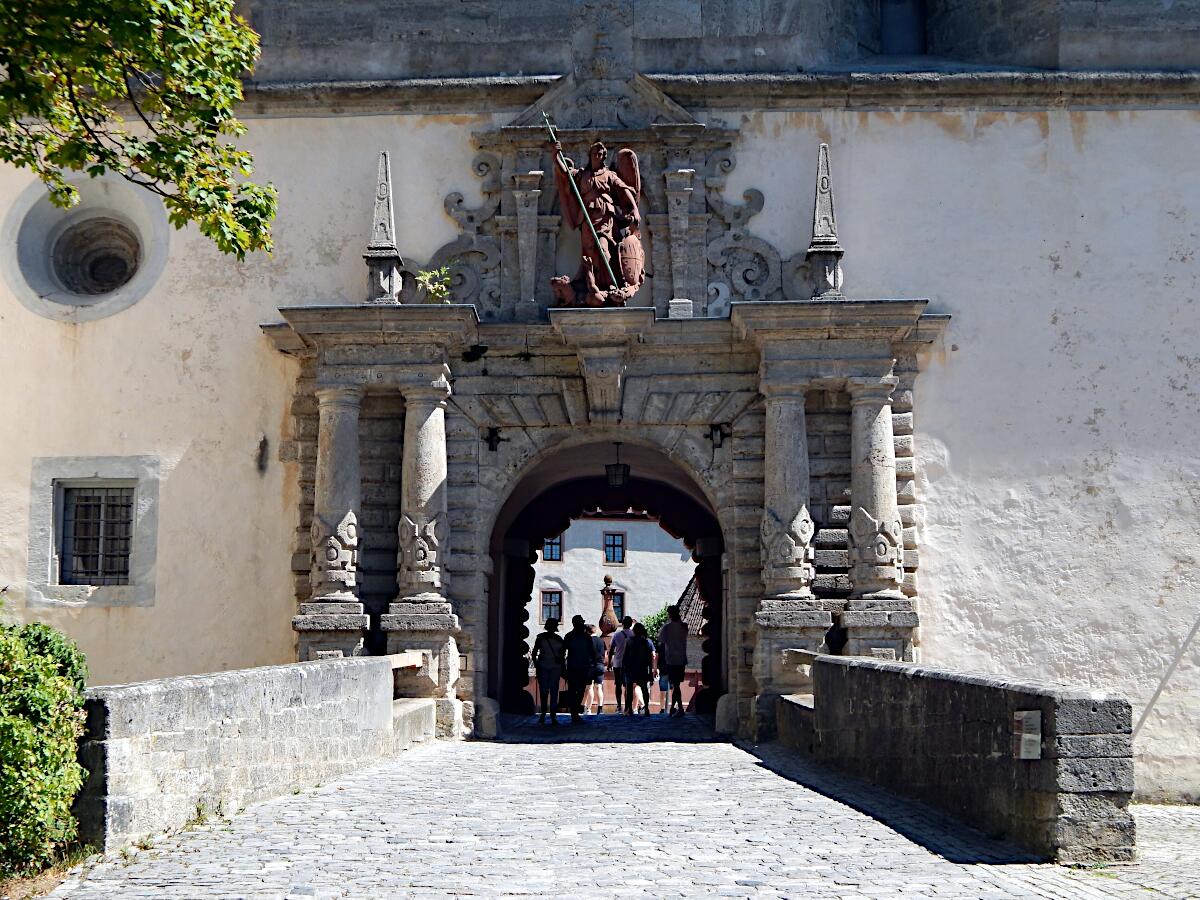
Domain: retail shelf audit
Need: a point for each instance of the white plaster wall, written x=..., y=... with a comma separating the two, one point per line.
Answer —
x=1061, y=491
x=1056, y=429
x=657, y=569
x=186, y=375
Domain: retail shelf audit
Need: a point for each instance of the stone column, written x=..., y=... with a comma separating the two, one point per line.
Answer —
x=879, y=619
x=332, y=622
x=790, y=616
x=421, y=618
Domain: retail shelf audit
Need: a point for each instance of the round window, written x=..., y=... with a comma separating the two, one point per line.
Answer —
x=87, y=262
x=96, y=256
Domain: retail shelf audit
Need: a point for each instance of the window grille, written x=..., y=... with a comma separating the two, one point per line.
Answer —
x=614, y=547
x=619, y=604
x=96, y=533
x=551, y=605
x=552, y=549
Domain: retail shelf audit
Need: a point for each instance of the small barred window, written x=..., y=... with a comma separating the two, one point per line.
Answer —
x=97, y=528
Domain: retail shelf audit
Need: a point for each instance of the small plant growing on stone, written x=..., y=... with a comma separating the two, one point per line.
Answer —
x=435, y=283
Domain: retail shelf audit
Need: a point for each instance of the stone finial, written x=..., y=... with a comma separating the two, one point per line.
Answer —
x=384, y=263
x=824, y=252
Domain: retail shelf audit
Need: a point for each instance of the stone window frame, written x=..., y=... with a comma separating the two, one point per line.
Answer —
x=542, y=606
x=619, y=605
x=624, y=545
x=50, y=476
x=557, y=539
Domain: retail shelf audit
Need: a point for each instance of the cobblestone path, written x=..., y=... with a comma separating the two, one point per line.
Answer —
x=679, y=815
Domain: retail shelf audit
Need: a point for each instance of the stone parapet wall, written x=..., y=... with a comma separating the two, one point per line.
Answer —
x=161, y=752
x=948, y=738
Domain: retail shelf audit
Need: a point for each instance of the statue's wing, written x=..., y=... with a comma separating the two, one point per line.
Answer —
x=629, y=171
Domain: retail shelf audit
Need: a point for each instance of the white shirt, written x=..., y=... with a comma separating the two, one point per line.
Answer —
x=618, y=646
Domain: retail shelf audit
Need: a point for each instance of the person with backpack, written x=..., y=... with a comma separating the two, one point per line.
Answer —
x=638, y=668
x=547, y=657
x=581, y=663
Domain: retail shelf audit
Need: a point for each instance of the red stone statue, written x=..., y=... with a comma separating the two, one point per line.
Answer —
x=603, y=205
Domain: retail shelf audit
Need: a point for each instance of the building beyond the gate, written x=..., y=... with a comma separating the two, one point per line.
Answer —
x=216, y=465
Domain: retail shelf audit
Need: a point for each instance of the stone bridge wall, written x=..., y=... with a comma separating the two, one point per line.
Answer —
x=950, y=739
x=160, y=752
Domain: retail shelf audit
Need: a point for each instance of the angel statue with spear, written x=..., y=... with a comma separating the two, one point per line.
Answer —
x=603, y=204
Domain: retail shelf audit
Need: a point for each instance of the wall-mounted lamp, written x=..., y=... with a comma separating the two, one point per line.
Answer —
x=718, y=431
x=618, y=472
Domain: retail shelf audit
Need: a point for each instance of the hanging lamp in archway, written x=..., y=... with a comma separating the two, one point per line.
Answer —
x=618, y=472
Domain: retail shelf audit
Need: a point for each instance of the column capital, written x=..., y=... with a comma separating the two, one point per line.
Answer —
x=785, y=390
x=339, y=394
x=871, y=389
x=432, y=392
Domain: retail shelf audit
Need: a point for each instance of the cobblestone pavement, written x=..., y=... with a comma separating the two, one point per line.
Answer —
x=679, y=814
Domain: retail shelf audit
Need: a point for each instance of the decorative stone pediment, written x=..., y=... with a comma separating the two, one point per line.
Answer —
x=604, y=103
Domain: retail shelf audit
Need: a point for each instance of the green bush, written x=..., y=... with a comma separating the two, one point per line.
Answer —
x=46, y=641
x=40, y=724
x=654, y=623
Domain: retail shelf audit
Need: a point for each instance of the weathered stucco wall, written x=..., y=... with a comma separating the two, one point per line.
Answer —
x=1060, y=490
x=186, y=375
x=1060, y=496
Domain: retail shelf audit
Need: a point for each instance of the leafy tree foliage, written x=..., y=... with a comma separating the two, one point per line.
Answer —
x=654, y=623
x=40, y=723
x=142, y=88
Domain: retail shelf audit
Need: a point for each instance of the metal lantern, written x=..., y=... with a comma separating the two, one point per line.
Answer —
x=618, y=472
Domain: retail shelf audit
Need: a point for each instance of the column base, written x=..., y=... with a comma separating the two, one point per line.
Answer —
x=785, y=623
x=427, y=623
x=880, y=626
x=330, y=630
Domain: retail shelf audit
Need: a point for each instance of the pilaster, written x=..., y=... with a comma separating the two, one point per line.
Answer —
x=679, y=198
x=526, y=194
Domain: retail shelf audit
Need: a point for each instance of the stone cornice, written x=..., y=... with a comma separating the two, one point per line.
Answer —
x=449, y=325
x=934, y=90
x=831, y=320
x=816, y=90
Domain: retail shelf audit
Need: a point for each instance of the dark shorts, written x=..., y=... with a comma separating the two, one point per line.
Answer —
x=598, y=677
x=675, y=674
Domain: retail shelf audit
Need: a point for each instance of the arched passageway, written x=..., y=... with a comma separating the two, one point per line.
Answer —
x=547, y=509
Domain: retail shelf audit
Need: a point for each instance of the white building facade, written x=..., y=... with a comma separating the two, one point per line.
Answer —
x=649, y=570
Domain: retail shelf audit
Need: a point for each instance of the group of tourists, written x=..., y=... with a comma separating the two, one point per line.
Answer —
x=582, y=657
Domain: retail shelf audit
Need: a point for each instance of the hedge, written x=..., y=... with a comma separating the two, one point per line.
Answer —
x=41, y=720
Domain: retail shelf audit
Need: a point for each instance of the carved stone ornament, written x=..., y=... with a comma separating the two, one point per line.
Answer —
x=875, y=543
x=788, y=546
x=422, y=552
x=664, y=225
x=385, y=267
x=334, y=556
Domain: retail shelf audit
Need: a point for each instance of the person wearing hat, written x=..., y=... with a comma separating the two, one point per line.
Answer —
x=548, y=661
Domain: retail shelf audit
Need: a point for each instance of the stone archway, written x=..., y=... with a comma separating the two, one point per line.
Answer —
x=543, y=503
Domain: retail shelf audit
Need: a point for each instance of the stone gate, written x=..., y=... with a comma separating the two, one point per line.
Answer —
x=748, y=383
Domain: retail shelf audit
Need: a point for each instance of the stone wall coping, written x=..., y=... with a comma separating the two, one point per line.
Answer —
x=980, y=679
x=138, y=688
x=857, y=89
